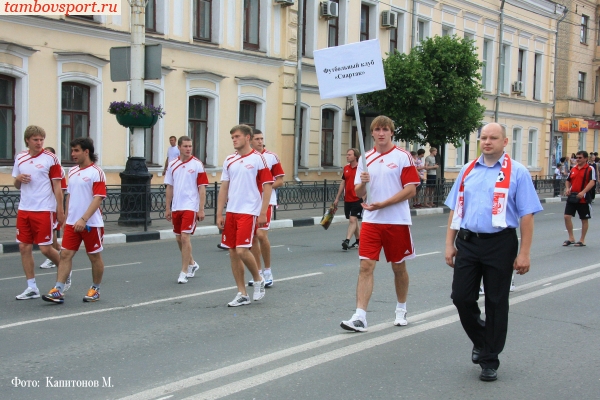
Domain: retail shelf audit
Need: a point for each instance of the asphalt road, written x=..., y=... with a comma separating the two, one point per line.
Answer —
x=155, y=339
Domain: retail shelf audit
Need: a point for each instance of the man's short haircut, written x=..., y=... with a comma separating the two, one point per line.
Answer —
x=582, y=153
x=432, y=149
x=420, y=152
x=245, y=129
x=85, y=143
x=50, y=149
x=413, y=153
x=256, y=132
x=33, y=130
x=355, y=151
x=382, y=122
x=172, y=137
x=183, y=139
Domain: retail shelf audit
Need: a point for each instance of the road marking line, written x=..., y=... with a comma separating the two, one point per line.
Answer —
x=428, y=254
x=556, y=277
x=75, y=270
x=297, y=366
x=549, y=213
x=574, y=229
x=146, y=303
x=292, y=351
x=547, y=284
x=279, y=245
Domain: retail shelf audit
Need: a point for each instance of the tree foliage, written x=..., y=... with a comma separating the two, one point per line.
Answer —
x=432, y=93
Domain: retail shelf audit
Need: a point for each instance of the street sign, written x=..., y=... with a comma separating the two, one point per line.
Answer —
x=120, y=63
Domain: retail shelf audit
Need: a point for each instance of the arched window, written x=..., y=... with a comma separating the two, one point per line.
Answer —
x=248, y=113
x=327, y=128
x=75, y=115
x=198, y=125
x=149, y=132
x=7, y=119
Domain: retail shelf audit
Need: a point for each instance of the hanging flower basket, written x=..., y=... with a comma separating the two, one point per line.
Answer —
x=135, y=115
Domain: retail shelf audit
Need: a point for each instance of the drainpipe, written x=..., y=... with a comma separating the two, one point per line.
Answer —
x=565, y=11
x=297, y=121
x=500, y=58
x=414, y=24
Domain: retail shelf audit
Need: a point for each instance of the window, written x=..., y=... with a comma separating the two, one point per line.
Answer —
x=595, y=140
x=327, y=125
x=151, y=16
x=304, y=26
x=516, y=144
x=446, y=31
x=581, y=142
x=421, y=31
x=581, y=86
x=198, y=125
x=202, y=19
x=301, y=134
x=469, y=36
x=364, y=22
x=583, y=34
x=537, y=77
x=531, y=148
x=596, y=88
x=520, y=65
x=333, y=37
x=504, y=71
x=248, y=113
x=7, y=119
x=460, y=153
x=486, y=70
x=75, y=115
x=148, y=132
x=251, y=24
x=393, y=39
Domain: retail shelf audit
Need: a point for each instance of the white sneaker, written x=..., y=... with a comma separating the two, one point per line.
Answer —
x=67, y=283
x=182, y=278
x=47, y=264
x=355, y=324
x=240, y=300
x=512, y=284
x=481, y=291
x=259, y=290
x=192, y=270
x=29, y=293
x=251, y=281
x=400, y=317
x=268, y=278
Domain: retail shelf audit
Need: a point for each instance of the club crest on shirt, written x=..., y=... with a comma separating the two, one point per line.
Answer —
x=86, y=179
x=249, y=166
x=392, y=166
x=39, y=166
x=191, y=171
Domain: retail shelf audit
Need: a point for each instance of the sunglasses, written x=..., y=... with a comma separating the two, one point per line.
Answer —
x=579, y=157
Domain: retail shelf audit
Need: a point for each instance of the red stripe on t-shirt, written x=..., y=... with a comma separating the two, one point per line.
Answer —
x=99, y=189
x=381, y=155
x=202, y=179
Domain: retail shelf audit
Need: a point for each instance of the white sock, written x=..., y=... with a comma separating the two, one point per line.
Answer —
x=182, y=274
x=401, y=305
x=361, y=313
x=266, y=270
x=31, y=283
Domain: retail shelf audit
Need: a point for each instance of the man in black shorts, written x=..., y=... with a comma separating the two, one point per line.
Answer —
x=582, y=179
x=352, y=207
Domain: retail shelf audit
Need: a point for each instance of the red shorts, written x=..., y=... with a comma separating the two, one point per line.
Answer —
x=92, y=240
x=266, y=226
x=395, y=240
x=35, y=227
x=239, y=230
x=57, y=226
x=185, y=219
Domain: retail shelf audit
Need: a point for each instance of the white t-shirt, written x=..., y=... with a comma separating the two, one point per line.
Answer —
x=276, y=170
x=84, y=185
x=186, y=177
x=246, y=176
x=389, y=172
x=172, y=153
x=38, y=194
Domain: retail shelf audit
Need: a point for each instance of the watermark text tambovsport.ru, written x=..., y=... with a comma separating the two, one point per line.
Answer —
x=54, y=7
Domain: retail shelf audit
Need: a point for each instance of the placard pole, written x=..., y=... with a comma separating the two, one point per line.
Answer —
x=361, y=143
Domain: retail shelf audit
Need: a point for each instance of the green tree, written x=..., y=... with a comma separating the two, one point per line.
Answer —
x=433, y=92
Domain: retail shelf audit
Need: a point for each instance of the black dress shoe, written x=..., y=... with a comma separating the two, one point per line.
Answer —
x=488, y=374
x=475, y=355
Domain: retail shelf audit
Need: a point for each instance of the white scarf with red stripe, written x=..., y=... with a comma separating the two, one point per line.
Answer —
x=500, y=195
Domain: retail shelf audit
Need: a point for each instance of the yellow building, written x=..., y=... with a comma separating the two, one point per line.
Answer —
x=231, y=61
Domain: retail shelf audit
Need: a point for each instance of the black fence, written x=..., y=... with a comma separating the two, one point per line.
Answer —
x=123, y=206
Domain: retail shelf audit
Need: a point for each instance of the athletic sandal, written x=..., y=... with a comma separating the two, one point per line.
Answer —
x=567, y=243
x=579, y=244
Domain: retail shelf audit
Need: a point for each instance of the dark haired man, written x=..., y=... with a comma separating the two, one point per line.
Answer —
x=172, y=153
x=352, y=203
x=582, y=179
x=86, y=190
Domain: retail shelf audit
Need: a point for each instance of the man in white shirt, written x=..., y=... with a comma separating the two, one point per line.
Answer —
x=172, y=153
x=260, y=243
x=186, y=182
x=246, y=184
x=37, y=174
x=393, y=180
x=86, y=189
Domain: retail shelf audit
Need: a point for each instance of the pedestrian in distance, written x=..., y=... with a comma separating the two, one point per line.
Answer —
x=352, y=203
x=420, y=165
x=431, y=168
x=172, y=153
x=246, y=185
x=261, y=247
x=491, y=197
x=86, y=189
x=580, y=183
x=186, y=183
x=37, y=174
x=392, y=179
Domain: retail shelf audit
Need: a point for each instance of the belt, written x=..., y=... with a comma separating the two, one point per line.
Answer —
x=466, y=234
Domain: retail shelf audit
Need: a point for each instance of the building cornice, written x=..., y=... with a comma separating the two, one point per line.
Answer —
x=206, y=75
x=75, y=56
x=21, y=50
x=252, y=80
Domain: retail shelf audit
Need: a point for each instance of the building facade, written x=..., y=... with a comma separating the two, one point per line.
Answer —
x=231, y=61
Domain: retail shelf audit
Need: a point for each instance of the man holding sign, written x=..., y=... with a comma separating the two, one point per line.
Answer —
x=393, y=181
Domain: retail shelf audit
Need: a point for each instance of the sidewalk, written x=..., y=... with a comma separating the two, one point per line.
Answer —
x=162, y=229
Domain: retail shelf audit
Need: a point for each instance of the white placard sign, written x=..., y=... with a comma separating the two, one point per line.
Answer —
x=350, y=69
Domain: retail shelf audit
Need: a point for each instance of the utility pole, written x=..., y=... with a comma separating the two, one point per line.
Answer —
x=298, y=116
x=138, y=41
x=500, y=61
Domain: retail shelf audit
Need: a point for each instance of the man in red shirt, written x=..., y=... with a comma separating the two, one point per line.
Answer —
x=582, y=179
x=352, y=203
